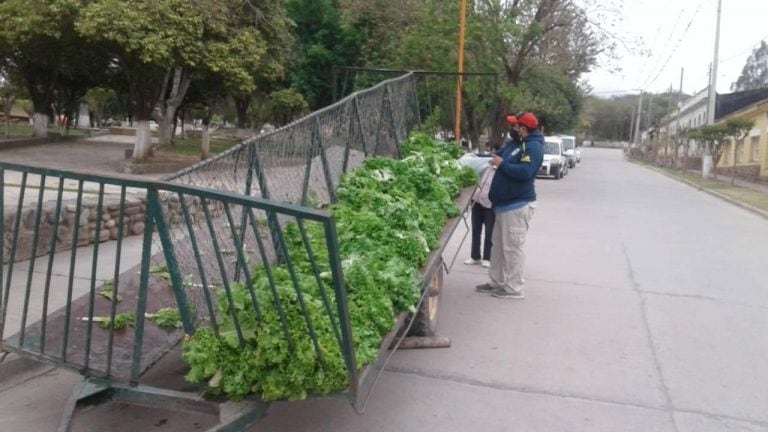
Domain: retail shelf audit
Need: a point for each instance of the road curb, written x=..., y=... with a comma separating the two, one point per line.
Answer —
x=735, y=202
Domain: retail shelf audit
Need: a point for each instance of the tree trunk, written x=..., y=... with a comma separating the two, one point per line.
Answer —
x=707, y=162
x=501, y=123
x=143, y=146
x=183, y=133
x=205, y=143
x=170, y=102
x=473, y=128
x=173, y=128
x=7, y=108
x=40, y=125
x=241, y=105
x=676, y=149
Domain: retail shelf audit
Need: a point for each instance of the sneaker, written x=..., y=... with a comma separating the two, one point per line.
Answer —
x=472, y=261
x=486, y=263
x=485, y=288
x=504, y=294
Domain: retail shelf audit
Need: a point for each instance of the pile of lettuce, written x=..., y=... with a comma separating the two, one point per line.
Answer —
x=389, y=216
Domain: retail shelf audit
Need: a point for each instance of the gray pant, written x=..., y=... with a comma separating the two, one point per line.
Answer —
x=507, y=252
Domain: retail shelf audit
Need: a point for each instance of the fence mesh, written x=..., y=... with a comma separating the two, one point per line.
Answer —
x=436, y=97
x=302, y=162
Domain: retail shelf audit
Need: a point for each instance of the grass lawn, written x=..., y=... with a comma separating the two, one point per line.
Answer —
x=747, y=196
x=18, y=130
x=191, y=146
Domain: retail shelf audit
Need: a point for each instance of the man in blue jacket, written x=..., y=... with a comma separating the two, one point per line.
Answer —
x=513, y=198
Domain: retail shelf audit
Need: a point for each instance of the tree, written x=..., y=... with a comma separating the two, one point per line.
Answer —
x=272, y=21
x=158, y=43
x=42, y=50
x=754, y=75
x=98, y=99
x=608, y=119
x=681, y=139
x=718, y=135
x=9, y=93
x=554, y=98
x=285, y=106
x=552, y=32
x=737, y=129
x=382, y=26
x=516, y=39
x=321, y=42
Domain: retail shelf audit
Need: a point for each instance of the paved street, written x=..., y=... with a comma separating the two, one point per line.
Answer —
x=646, y=310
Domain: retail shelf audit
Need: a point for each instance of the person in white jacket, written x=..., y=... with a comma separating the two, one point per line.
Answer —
x=482, y=217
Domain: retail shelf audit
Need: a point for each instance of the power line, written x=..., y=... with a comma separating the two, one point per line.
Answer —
x=668, y=39
x=685, y=32
x=752, y=47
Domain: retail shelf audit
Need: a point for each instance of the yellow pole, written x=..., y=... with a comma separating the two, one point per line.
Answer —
x=462, y=25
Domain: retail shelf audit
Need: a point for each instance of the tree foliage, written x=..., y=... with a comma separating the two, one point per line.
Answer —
x=610, y=118
x=43, y=52
x=540, y=49
x=152, y=39
x=98, y=100
x=717, y=136
x=321, y=42
x=278, y=54
x=754, y=75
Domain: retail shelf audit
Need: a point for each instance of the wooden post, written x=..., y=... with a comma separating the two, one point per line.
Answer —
x=460, y=82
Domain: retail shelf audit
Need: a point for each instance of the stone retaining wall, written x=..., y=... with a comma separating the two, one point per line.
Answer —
x=746, y=172
x=133, y=222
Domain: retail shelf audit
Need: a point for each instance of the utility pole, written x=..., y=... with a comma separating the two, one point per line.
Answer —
x=639, y=115
x=713, y=71
x=650, y=112
x=462, y=26
x=632, y=126
x=668, y=123
x=679, y=108
x=706, y=161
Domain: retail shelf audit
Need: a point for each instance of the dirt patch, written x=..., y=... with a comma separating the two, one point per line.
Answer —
x=160, y=163
x=100, y=155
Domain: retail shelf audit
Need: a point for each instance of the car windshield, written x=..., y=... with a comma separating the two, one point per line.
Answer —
x=568, y=143
x=551, y=148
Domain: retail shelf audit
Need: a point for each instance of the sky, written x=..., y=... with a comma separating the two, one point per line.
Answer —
x=656, y=38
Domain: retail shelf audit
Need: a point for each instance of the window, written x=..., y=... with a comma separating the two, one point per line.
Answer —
x=756, y=148
x=551, y=148
x=740, y=151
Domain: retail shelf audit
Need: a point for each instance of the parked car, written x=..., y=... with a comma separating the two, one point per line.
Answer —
x=555, y=162
x=572, y=151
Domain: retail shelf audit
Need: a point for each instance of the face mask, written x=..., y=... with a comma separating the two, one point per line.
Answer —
x=515, y=134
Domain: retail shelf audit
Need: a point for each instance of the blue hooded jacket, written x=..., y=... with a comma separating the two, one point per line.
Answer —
x=513, y=182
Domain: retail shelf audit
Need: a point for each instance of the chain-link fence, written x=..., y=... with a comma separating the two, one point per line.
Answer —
x=302, y=162
x=436, y=93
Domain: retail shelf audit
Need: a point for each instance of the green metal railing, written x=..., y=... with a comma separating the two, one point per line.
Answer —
x=195, y=245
